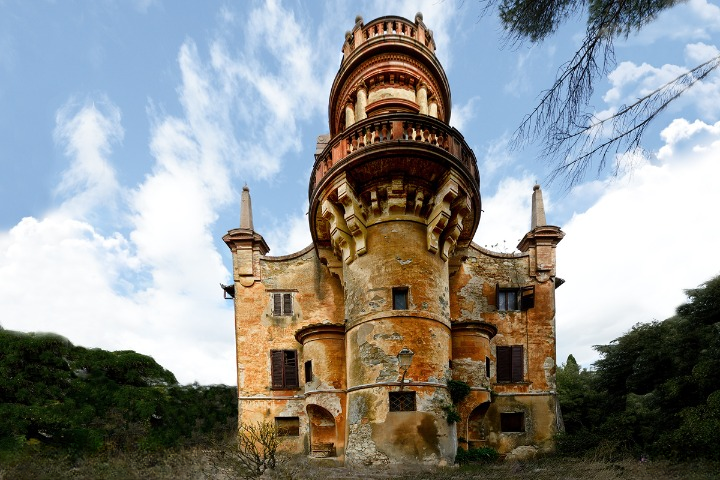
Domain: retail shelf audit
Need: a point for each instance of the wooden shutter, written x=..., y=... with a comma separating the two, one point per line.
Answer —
x=277, y=304
x=527, y=298
x=291, y=369
x=287, y=303
x=276, y=368
x=504, y=364
x=517, y=363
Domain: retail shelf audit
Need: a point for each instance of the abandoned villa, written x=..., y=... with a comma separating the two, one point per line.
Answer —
x=348, y=345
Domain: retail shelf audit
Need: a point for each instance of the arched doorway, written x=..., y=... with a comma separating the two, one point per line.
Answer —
x=323, y=434
x=476, y=426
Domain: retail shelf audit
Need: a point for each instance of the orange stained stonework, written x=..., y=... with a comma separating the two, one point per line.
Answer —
x=394, y=205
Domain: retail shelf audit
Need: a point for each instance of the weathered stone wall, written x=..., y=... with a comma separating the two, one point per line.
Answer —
x=317, y=298
x=473, y=289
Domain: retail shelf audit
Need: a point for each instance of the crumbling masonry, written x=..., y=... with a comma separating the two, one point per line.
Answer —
x=394, y=205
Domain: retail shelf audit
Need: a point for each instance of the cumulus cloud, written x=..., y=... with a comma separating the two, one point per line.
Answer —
x=628, y=258
x=631, y=81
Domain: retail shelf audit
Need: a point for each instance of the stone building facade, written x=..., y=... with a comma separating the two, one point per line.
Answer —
x=394, y=205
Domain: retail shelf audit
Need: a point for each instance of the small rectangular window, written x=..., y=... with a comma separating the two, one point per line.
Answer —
x=509, y=363
x=288, y=426
x=512, y=422
x=282, y=304
x=507, y=299
x=400, y=298
x=284, y=369
x=487, y=367
x=308, y=371
x=402, y=401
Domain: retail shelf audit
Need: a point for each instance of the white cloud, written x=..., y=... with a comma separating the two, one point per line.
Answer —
x=628, y=258
x=289, y=234
x=506, y=215
x=497, y=155
x=686, y=21
x=631, y=81
x=462, y=114
x=87, y=133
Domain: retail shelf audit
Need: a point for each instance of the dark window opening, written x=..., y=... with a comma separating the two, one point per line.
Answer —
x=288, y=426
x=308, y=371
x=282, y=304
x=284, y=369
x=527, y=298
x=402, y=402
x=512, y=422
x=487, y=367
x=400, y=298
x=510, y=363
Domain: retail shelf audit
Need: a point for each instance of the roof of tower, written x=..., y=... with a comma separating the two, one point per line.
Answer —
x=389, y=51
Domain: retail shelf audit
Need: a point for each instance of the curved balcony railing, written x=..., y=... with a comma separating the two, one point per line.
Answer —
x=407, y=128
x=388, y=25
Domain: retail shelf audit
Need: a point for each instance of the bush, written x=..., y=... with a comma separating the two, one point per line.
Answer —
x=476, y=455
x=458, y=390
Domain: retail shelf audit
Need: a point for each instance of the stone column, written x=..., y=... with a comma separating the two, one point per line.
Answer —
x=349, y=114
x=433, y=109
x=361, y=102
x=421, y=98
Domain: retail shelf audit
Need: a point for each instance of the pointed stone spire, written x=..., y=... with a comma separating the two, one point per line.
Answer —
x=246, y=221
x=538, y=209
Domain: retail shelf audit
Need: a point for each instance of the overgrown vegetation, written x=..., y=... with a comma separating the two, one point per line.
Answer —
x=74, y=401
x=476, y=455
x=458, y=391
x=655, y=392
x=257, y=447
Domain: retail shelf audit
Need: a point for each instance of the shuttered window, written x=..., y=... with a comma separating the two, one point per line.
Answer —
x=509, y=299
x=284, y=369
x=510, y=364
x=282, y=304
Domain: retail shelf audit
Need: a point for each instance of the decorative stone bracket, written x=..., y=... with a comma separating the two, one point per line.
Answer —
x=445, y=219
x=348, y=232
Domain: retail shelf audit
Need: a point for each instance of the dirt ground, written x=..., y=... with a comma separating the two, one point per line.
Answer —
x=545, y=469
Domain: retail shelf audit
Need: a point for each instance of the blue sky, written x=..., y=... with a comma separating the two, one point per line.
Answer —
x=128, y=128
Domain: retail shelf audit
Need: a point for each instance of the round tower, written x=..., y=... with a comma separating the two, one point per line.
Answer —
x=393, y=192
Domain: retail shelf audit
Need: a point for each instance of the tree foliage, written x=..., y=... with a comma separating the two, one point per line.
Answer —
x=81, y=400
x=572, y=136
x=655, y=389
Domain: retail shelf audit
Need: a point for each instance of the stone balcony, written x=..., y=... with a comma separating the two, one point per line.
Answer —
x=392, y=131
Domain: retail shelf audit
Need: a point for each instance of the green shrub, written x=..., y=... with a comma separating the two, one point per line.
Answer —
x=458, y=390
x=476, y=455
x=451, y=414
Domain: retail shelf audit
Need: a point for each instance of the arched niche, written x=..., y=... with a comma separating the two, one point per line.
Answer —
x=323, y=431
x=476, y=425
